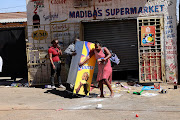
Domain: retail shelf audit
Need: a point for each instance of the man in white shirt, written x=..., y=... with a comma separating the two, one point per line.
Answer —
x=70, y=51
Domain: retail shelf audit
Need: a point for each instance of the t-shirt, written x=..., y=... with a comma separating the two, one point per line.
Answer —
x=69, y=50
x=55, y=54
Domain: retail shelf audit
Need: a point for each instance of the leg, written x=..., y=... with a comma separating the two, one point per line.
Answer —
x=52, y=76
x=85, y=89
x=58, y=73
x=59, y=77
x=101, y=88
x=109, y=86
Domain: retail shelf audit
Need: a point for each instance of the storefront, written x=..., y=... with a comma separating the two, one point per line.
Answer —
x=13, y=44
x=141, y=33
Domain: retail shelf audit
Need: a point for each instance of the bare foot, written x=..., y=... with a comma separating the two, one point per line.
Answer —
x=112, y=95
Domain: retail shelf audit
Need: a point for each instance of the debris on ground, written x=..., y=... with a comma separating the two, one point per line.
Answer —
x=149, y=88
x=138, y=93
x=19, y=85
x=149, y=94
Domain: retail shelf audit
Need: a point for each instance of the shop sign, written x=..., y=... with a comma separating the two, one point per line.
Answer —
x=148, y=35
x=39, y=35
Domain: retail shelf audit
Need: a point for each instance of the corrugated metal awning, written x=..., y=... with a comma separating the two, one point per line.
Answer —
x=13, y=20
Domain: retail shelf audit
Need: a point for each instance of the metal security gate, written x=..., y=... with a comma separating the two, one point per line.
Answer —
x=150, y=44
x=121, y=38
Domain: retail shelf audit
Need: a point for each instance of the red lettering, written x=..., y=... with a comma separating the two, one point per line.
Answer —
x=104, y=0
x=170, y=57
x=58, y=1
x=171, y=47
x=171, y=52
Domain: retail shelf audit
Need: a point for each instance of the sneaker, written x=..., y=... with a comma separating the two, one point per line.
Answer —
x=61, y=86
x=71, y=86
x=53, y=87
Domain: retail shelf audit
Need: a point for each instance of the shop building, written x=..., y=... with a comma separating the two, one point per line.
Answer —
x=142, y=33
x=13, y=44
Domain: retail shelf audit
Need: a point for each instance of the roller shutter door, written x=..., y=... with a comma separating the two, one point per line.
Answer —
x=120, y=37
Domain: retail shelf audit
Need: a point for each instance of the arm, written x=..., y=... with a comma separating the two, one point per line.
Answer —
x=87, y=58
x=70, y=50
x=108, y=54
x=60, y=52
x=77, y=90
x=50, y=57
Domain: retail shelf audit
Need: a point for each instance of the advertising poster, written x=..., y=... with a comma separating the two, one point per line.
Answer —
x=147, y=35
x=85, y=72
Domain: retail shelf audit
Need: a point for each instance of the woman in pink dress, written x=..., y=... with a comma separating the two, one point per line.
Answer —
x=104, y=66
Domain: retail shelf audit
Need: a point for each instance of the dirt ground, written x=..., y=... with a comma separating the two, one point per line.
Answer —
x=23, y=103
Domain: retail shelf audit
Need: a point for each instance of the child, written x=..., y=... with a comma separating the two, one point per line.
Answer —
x=84, y=83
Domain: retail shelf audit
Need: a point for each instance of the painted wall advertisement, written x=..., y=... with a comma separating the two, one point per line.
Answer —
x=85, y=73
x=61, y=19
x=147, y=35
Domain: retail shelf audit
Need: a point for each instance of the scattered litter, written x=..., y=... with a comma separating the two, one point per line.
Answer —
x=117, y=91
x=82, y=107
x=19, y=85
x=118, y=84
x=13, y=85
x=26, y=84
x=117, y=95
x=137, y=115
x=137, y=85
x=94, y=100
x=16, y=85
x=138, y=93
x=99, y=106
x=175, y=86
x=163, y=91
x=47, y=86
x=157, y=86
x=121, y=85
x=128, y=91
x=149, y=94
x=113, y=86
x=126, y=87
x=149, y=88
x=59, y=109
x=108, y=94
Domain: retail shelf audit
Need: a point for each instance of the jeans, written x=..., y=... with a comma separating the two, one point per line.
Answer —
x=55, y=72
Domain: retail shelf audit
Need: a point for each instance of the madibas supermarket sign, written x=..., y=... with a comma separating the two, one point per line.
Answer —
x=115, y=11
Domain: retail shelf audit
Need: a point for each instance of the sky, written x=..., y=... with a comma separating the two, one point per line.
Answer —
x=177, y=10
x=20, y=6
x=12, y=6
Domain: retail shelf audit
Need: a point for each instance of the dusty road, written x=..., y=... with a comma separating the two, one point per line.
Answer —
x=46, y=104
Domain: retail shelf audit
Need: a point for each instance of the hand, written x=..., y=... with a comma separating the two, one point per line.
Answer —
x=74, y=53
x=58, y=46
x=54, y=67
x=80, y=64
x=103, y=60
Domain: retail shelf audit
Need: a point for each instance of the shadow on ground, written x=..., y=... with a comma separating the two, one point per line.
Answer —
x=69, y=94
